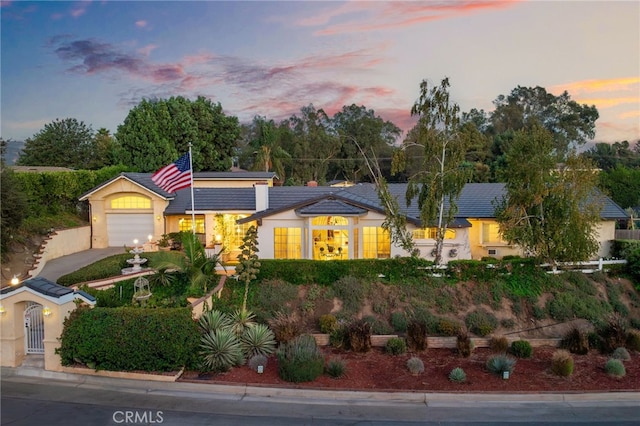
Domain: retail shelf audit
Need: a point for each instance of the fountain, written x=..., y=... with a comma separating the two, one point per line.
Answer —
x=136, y=261
x=141, y=291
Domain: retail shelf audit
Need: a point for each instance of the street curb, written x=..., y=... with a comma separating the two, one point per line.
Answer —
x=310, y=396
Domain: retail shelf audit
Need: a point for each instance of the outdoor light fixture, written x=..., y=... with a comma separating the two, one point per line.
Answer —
x=149, y=237
x=95, y=219
x=2, y=311
x=15, y=280
x=46, y=311
x=218, y=238
x=135, y=242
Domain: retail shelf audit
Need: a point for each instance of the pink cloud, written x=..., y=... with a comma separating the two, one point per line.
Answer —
x=370, y=16
x=146, y=50
x=79, y=9
x=601, y=85
x=141, y=23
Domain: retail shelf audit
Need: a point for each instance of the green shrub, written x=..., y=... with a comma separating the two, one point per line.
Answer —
x=396, y=346
x=271, y=296
x=417, y=335
x=359, y=336
x=352, y=291
x=300, y=360
x=521, y=349
x=633, y=341
x=126, y=339
x=336, y=368
x=448, y=327
x=613, y=293
x=378, y=326
x=633, y=264
x=499, y=344
x=615, y=367
x=622, y=354
x=399, y=321
x=285, y=327
x=481, y=322
x=576, y=341
x=464, y=344
x=498, y=364
x=328, y=323
x=581, y=282
x=221, y=350
x=257, y=340
x=415, y=365
x=507, y=323
x=562, y=363
x=258, y=360
x=457, y=375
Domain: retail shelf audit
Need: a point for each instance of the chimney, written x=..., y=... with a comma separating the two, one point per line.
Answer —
x=262, y=196
x=312, y=183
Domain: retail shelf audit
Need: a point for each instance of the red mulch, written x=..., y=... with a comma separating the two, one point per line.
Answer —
x=378, y=371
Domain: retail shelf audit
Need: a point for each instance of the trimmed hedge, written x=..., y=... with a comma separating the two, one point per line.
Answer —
x=304, y=271
x=127, y=339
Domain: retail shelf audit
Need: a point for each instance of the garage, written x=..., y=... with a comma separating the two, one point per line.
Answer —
x=122, y=228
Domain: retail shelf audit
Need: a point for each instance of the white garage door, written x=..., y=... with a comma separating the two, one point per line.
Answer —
x=122, y=229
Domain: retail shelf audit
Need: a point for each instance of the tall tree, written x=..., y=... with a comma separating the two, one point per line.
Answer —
x=372, y=133
x=607, y=156
x=157, y=132
x=14, y=203
x=623, y=185
x=266, y=147
x=548, y=210
x=62, y=143
x=439, y=182
x=312, y=146
x=569, y=123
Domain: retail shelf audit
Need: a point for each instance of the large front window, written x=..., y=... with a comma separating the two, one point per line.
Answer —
x=491, y=233
x=330, y=237
x=287, y=243
x=131, y=202
x=185, y=224
x=432, y=234
x=376, y=243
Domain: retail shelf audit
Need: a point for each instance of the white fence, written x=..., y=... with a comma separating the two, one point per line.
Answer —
x=584, y=267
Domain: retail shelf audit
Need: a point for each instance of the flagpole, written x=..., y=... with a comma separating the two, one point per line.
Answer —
x=193, y=209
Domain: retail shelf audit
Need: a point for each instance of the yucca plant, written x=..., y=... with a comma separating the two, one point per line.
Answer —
x=241, y=319
x=213, y=320
x=498, y=364
x=457, y=375
x=258, y=340
x=221, y=350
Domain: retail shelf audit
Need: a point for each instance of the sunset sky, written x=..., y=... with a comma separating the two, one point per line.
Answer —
x=95, y=60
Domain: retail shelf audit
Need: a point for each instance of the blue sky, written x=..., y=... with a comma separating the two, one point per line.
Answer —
x=95, y=60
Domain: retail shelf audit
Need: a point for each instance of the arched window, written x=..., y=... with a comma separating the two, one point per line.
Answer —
x=131, y=202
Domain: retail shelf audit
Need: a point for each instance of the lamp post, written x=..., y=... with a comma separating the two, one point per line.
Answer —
x=15, y=280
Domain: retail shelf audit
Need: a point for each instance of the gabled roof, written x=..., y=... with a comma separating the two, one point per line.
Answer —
x=331, y=206
x=49, y=290
x=141, y=179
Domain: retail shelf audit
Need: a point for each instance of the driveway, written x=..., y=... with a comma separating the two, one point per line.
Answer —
x=56, y=268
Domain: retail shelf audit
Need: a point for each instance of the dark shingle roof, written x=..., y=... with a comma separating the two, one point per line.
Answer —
x=331, y=207
x=47, y=288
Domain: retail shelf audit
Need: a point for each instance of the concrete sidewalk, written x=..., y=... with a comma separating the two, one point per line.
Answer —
x=309, y=396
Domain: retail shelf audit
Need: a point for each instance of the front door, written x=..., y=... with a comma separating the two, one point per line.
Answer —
x=34, y=328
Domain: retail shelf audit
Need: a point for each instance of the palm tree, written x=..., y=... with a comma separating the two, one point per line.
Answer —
x=269, y=154
x=195, y=266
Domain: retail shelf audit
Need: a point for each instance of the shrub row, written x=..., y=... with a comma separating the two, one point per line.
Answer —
x=129, y=339
x=303, y=271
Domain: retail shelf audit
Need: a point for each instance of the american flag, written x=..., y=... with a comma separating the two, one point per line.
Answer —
x=175, y=176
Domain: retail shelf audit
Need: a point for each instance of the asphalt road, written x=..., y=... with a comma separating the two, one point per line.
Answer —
x=34, y=400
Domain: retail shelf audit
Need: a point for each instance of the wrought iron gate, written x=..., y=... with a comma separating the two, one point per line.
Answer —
x=34, y=328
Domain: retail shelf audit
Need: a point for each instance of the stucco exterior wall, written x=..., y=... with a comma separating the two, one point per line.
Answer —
x=480, y=249
x=62, y=243
x=12, y=339
x=100, y=207
x=605, y=234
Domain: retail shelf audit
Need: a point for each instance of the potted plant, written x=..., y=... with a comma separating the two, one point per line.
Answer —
x=164, y=244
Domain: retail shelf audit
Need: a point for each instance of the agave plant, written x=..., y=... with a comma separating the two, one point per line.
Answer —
x=221, y=350
x=498, y=364
x=241, y=319
x=258, y=340
x=214, y=320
